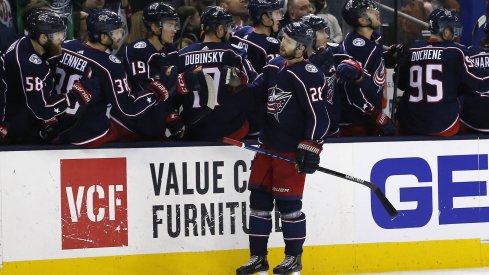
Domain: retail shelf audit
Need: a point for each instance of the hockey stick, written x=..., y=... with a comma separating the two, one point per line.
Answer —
x=385, y=202
x=480, y=22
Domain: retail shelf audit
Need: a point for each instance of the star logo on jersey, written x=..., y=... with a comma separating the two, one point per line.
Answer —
x=56, y=110
x=148, y=99
x=277, y=100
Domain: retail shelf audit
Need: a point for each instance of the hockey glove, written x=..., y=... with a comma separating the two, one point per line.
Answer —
x=234, y=76
x=3, y=132
x=187, y=81
x=307, y=160
x=384, y=122
x=393, y=55
x=174, y=123
x=159, y=90
x=323, y=58
x=78, y=93
x=49, y=129
x=349, y=70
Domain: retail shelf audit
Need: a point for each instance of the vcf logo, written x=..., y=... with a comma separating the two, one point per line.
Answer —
x=93, y=203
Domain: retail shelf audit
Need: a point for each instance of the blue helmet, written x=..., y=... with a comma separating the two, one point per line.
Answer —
x=441, y=19
x=102, y=21
x=301, y=33
x=315, y=22
x=213, y=17
x=44, y=21
x=259, y=7
x=158, y=12
x=354, y=9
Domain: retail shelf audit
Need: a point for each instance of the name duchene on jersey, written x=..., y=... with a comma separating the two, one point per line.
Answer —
x=424, y=54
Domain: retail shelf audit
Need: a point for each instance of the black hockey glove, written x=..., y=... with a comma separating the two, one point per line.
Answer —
x=189, y=80
x=393, y=55
x=349, y=70
x=49, y=129
x=308, y=152
x=3, y=133
x=384, y=122
x=160, y=91
x=234, y=77
x=323, y=58
x=174, y=123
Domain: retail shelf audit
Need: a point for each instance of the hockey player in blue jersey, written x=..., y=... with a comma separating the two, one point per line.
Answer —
x=110, y=83
x=259, y=44
x=150, y=59
x=430, y=76
x=31, y=103
x=362, y=74
x=296, y=124
x=321, y=55
x=475, y=107
x=215, y=56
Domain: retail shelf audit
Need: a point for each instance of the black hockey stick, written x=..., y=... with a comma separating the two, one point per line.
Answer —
x=480, y=22
x=385, y=202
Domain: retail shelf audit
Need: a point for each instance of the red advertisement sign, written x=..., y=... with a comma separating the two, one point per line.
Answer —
x=93, y=203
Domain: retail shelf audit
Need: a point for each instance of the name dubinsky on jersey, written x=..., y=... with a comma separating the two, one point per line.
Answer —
x=367, y=96
x=431, y=77
x=229, y=111
x=296, y=104
x=110, y=84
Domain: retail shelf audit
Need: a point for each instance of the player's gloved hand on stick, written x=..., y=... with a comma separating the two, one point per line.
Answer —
x=234, y=77
x=308, y=152
x=78, y=93
x=349, y=70
x=393, y=55
x=384, y=122
x=159, y=90
x=188, y=80
x=174, y=123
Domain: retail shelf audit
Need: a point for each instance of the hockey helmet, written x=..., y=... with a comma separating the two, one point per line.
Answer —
x=259, y=7
x=159, y=12
x=213, y=17
x=300, y=32
x=315, y=22
x=354, y=9
x=441, y=19
x=44, y=21
x=102, y=21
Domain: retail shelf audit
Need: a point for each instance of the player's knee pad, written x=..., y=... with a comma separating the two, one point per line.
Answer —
x=260, y=200
x=288, y=206
x=260, y=223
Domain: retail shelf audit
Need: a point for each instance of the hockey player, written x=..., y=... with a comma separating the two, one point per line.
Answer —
x=321, y=55
x=31, y=104
x=109, y=81
x=259, y=44
x=362, y=73
x=296, y=123
x=216, y=57
x=430, y=76
x=150, y=59
x=475, y=106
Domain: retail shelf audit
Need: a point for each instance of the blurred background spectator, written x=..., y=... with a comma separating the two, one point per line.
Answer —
x=321, y=9
x=190, y=26
x=7, y=25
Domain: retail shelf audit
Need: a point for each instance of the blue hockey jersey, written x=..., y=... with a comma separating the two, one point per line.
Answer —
x=229, y=113
x=295, y=104
x=259, y=48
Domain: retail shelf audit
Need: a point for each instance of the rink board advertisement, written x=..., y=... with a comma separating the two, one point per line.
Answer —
x=145, y=202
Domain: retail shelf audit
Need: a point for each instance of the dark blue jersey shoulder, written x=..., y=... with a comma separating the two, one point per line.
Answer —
x=259, y=48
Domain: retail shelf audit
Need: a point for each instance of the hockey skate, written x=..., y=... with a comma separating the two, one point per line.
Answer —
x=291, y=265
x=257, y=264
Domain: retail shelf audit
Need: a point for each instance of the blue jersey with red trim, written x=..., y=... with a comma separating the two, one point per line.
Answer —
x=293, y=97
x=144, y=64
x=430, y=77
x=229, y=113
x=359, y=99
x=30, y=95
